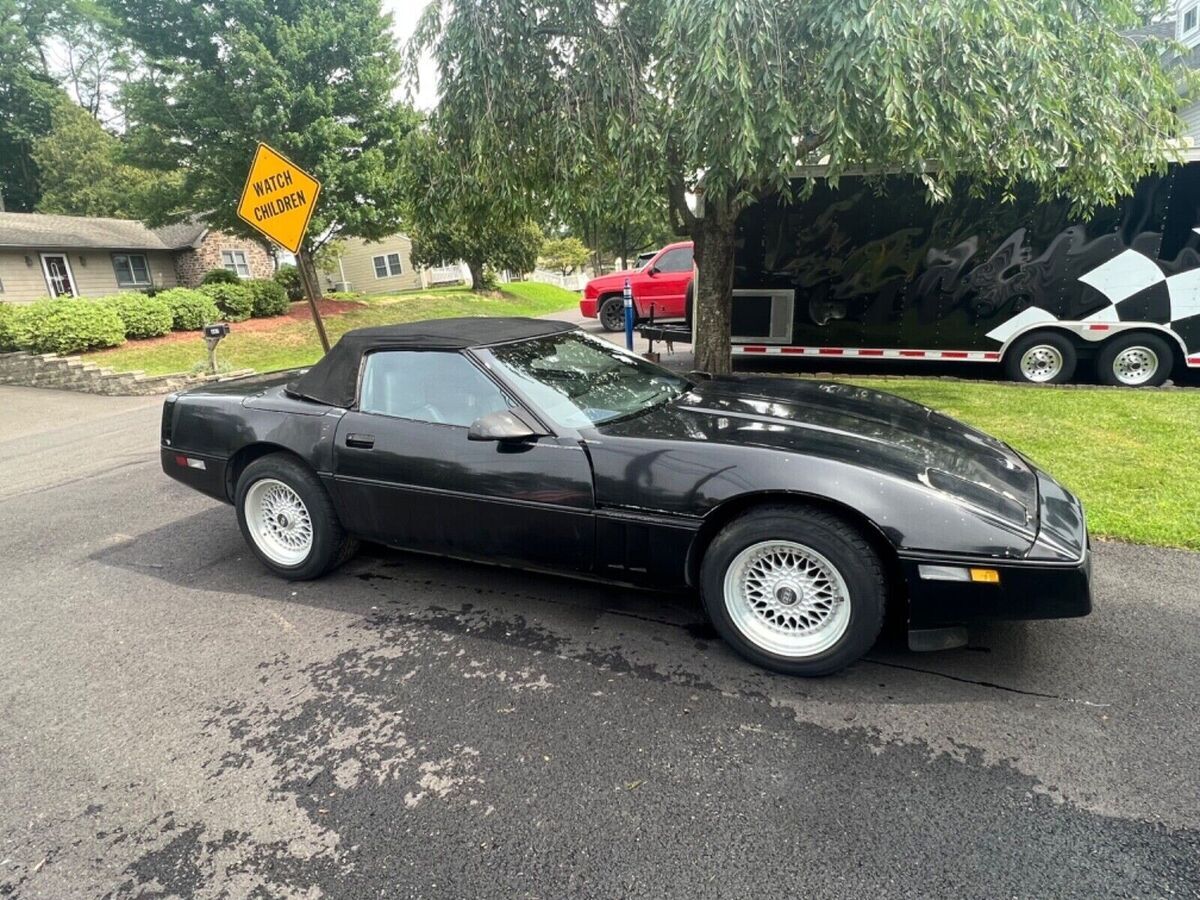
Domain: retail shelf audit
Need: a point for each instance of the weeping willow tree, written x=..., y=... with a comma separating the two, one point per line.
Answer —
x=721, y=99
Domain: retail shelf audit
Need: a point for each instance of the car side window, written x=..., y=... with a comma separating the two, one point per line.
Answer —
x=441, y=387
x=677, y=260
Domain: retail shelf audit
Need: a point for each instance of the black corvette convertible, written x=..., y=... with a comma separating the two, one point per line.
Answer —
x=800, y=510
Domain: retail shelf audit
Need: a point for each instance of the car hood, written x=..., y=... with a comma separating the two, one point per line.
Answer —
x=861, y=427
x=611, y=280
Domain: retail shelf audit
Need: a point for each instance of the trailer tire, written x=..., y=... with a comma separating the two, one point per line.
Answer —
x=1044, y=357
x=1135, y=360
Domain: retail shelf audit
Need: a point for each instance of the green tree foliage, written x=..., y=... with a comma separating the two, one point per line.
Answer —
x=456, y=212
x=288, y=277
x=221, y=276
x=724, y=98
x=314, y=78
x=190, y=309
x=68, y=325
x=270, y=298
x=142, y=316
x=566, y=254
x=235, y=301
x=9, y=334
x=28, y=94
x=83, y=173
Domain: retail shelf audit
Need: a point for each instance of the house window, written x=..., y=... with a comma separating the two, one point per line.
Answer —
x=1189, y=20
x=235, y=261
x=388, y=265
x=132, y=270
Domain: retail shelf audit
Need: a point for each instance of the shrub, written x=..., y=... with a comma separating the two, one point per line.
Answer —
x=220, y=276
x=10, y=327
x=235, y=301
x=70, y=324
x=190, y=309
x=288, y=277
x=142, y=316
x=270, y=299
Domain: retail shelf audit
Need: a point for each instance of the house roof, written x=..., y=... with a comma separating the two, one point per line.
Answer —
x=188, y=233
x=1163, y=31
x=40, y=231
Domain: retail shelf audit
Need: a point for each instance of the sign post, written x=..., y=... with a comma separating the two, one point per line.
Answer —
x=278, y=201
x=628, y=298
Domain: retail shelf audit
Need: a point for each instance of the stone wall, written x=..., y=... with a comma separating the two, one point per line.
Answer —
x=72, y=373
x=191, y=265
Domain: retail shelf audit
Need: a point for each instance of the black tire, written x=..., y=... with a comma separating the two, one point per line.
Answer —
x=1048, y=345
x=612, y=314
x=330, y=545
x=841, y=544
x=689, y=303
x=1145, y=358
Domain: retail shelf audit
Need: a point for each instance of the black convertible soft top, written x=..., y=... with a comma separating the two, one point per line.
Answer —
x=334, y=378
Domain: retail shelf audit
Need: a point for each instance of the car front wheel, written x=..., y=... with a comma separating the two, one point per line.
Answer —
x=612, y=314
x=794, y=590
x=288, y=519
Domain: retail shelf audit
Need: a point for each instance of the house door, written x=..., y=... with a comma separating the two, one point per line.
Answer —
x=58, y=275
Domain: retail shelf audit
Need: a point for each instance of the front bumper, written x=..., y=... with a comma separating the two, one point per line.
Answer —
x=1027, y=589
x=588, y=307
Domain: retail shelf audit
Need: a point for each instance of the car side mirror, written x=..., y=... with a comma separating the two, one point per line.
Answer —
x=652, y=271
x=504, y=426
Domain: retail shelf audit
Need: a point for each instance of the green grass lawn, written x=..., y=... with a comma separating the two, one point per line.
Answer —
x=294, y=343
x=1131, y=456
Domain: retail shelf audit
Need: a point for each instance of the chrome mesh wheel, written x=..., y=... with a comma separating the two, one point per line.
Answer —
x=787, y=599
x=1041, y=363
x=279, y=522
x=1135, y=365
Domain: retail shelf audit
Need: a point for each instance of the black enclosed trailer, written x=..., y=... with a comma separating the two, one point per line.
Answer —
x=870, y=269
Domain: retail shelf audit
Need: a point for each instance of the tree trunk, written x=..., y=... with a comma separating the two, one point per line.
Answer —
x=714, y=238
x=312, y=291
x=476, y=269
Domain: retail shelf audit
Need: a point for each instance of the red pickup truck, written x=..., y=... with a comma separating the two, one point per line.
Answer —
x=661, y=284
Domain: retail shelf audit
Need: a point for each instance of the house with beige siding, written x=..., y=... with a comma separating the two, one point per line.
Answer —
x=376, y=267
x=78, y=256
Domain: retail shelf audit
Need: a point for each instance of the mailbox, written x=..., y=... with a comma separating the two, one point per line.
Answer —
x=212, y=336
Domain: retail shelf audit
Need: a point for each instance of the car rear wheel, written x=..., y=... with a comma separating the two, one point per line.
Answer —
x=288, y=519
x=795, y=590
x=612, y=314
x=1041, y=358
x=1135, y=360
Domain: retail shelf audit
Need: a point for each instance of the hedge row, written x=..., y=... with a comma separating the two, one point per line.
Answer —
x=73, y=324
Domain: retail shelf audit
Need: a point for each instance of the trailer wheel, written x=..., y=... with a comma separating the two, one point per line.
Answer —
x=1134, y=360
x=1045, y=357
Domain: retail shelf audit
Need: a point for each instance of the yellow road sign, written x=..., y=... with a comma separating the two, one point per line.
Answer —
x=279, y=198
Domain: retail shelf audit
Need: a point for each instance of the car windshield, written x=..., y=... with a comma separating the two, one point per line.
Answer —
x=578, y=380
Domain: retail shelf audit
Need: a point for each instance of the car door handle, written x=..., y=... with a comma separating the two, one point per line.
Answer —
x=365, y=441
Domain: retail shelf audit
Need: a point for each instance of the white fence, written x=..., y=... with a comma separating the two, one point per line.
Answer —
x=444, y=275
x=573, y=282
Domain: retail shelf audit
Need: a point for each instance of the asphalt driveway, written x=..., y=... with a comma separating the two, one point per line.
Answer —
x=175, y=722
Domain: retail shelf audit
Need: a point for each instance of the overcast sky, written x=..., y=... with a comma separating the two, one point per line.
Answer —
x=404, y=18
